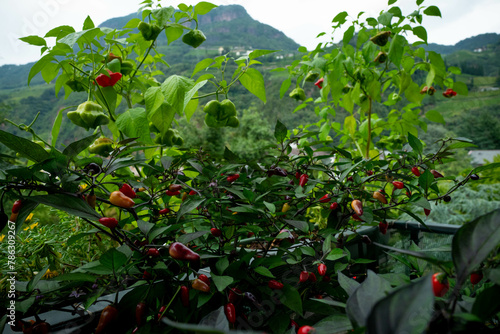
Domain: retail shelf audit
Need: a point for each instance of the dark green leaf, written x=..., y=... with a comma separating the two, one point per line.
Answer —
x=432, y=11
x=80, y=277
x=229, y=155
x=300, y=225
x=113, y=259
x=420, y=255
x=144, y=226
x=284, y=87
x=349, y=285
x=26, y=209
x=340, y=17
x=280, y=131
x=486, y=167
x=34, y=281
x=421, y=33
x=397, y=48
x=222, y=265
x=336, y=323
x=348, y=35
x=70, y=204
x=406, y=310
x=363, y=299
x=473, y=242
x=186, y=238
x=425, y=180
x=264, y=272
x=162, y=15
x=25, y=147
x=134, y=124
x=73, y=149
x=290, y=297
x=221, y=282
x=487, y=303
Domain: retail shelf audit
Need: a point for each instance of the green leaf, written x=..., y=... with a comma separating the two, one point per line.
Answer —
x=162, y=118
x=284, y=87
x=173, y=32
x=253, y=81
x=179, y=90
x=406, y=310
x=425, y=180
x=221, y=282
x=349, y=285
x=264, y=272
x=486, y=167
x=229, y=155
x=134, y=124
x=336, y=323
x=300, y=225
x=73, y=149
x=290, y=297
x=460, y=88
x=113, y=259
x=56, y=127
x=335, y=254
x=154, y=99
x=432, y=11
x=222, y=265
x=348, y=34
x=144, y=226
x=88, y=24
x=70, y=204
x=163, y=15
x=473, y=242
x=415, y=143
x=391, y=2
x=397, y=49
x=259, y=53
x=186, y=238
x=419, y=255
x=280, y=131
x=340, y=17
x=330, y=302
x=189, y=205
x=421, y=33
x=87, y=35
x=487, y=303
x=202, y=65
x=77, y=277
x=25, y=147
x=435, y=116
x=363, y=299
x=34, y=281
x=34, y=40
x=203, y=7
x=270, y=206
x=61, y=31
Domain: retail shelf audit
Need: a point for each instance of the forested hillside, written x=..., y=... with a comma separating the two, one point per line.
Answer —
x=476, y=116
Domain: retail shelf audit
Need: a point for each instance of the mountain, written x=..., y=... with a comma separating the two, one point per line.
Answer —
x=227, y=26
x=469, y=44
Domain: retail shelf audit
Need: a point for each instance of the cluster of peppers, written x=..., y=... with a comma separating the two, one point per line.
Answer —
x=169, y=138
x=221, y=114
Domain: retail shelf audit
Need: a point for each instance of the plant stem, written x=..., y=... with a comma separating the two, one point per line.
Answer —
x=369, y=139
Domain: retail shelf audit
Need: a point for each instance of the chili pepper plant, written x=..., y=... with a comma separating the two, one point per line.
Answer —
x=200, y=245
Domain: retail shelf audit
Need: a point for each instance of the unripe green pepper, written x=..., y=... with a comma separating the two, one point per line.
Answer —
x=88, y=115
x=114, y=65
x=127, y=67
x=298, y=94
x=194, y=38
x=75, y=85
x=220, y=114
x=102, y=146
x=171, y=137
x=311, y=76
x=381, y=38
x=149, y=31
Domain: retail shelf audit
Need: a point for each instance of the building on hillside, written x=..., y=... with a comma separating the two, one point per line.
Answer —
x=479, y=157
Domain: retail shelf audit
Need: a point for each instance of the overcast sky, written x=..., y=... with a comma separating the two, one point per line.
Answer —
x=300, y=20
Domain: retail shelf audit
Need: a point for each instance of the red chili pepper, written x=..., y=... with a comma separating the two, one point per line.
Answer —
x=153, y=252
x=128, y=191
x=303, y=180
x=146, y=275
x=449, y=93
x=199, y=285
x=304, y=276
x=294, y=324
x=274, y=284
x=334, y=206
x=327, y=278
x=172, y=193
x=164, y=211
x=297, y=175
x=325, y=199
x=440, y=284
x=319, y=83
x=312, y=277
x=398, y=184
x=108, y=222
x=436, y=174
x=476, y=277
x=104, y=80
x=230, y=312
x=108, y=315
x=204, y=278
x=175, y=187
x=181, y=252
x=192, y=192
x=233, y=177
x=235, y=295
x=318, y=296
x=382, y=226
x=185, y=296
x=322, y=269
x=215, y=232
x=306, y=330
x=17, y=206
x=357, y=206
x=427, y=212
x=357, y=218
x=415, y=171
x=140, y=313
x=160, y=312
